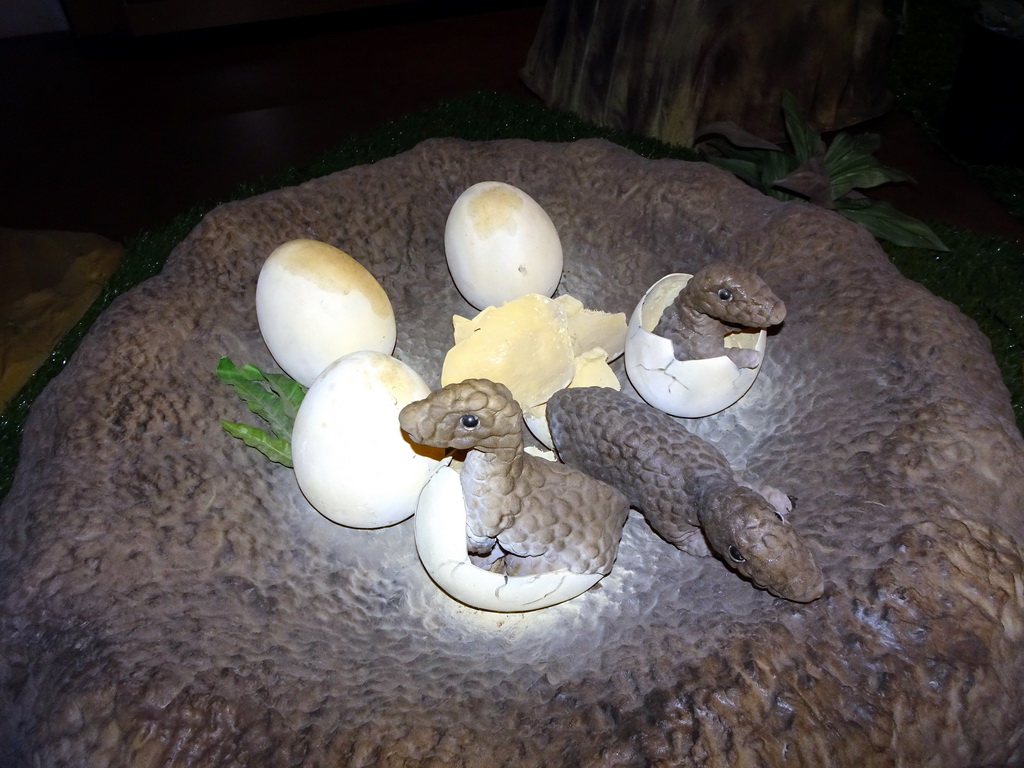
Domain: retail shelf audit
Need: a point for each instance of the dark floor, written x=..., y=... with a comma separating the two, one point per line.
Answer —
x=115, y=138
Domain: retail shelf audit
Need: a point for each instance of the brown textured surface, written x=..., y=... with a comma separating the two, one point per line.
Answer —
x=543, y=515
x=170, y=599
x=679, y=481
x=669, y=67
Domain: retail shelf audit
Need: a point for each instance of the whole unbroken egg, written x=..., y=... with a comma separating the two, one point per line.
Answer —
x=500, y=245
x=315, y=303
x=352, y=460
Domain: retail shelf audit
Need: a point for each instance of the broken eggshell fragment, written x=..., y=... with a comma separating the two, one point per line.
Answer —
x=591, y=369
x=688, y=388
x=440, y=530
x=524, y=344
x=535, y=346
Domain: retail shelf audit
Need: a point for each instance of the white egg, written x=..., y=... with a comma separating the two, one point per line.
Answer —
x=441, y=544
x=315, y=303
x=500, y=245
x=352, y=460
x=690, y=388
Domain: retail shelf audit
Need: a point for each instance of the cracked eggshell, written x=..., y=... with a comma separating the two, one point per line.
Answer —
x=524, y=344
x=315, y=303
x=440, y=527
x=689, y=388
x=591, y=328
x=352, y=460
x=500, y=245
x=591, y=370
x=535, y=346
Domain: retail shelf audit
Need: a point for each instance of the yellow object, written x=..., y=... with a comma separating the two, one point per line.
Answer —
x=524, y=344
x=49, y=281
x=535, y=346
x=592, y=370
x=590, y=328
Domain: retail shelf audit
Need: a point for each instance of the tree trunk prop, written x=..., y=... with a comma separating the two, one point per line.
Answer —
x=665, y=68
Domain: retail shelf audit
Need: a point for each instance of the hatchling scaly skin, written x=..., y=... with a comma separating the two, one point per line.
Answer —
x=684, y=487
x=719, y=300
x=540, y=515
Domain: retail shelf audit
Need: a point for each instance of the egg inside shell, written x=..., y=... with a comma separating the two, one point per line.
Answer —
x=689, y=388
x=352, y=460
x=315, y=303
x=500, y=245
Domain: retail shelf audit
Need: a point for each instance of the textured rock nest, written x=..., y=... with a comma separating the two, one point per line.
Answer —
x=169, y=598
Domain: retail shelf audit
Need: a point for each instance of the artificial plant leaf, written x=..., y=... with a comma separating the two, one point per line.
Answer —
x=851, y=166
x=776, y=166
x=865, y=177
x=806, y=143
x=745, y=170
x=810, y=181
x=274, y=448
x=250, y=384
x=290, y=392
x=736, y=136
x=757, y=167
x=857, y=143
x=229, y=372
x=887, y=223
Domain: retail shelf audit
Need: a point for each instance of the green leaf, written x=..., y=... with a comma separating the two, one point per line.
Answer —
x=887, y=223
x=274, y=401
x=745, y=170
x=851, y=166
x=290, y=392
x=806, y=143
x=777, y=166
x=757, y=167
x=274, y=448
x=228, y=372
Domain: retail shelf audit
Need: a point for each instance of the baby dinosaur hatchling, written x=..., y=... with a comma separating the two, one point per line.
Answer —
x=535, y=515
x=684, y=487
x=719, y=300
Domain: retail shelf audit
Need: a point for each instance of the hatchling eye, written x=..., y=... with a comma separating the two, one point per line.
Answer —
x=725, y=294
x=469, y=421
x=735, y=554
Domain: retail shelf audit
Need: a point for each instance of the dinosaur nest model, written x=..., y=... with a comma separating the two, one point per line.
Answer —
x=171, y=598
